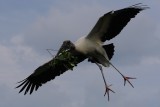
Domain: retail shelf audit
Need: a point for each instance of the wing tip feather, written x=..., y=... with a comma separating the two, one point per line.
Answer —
x=139, y=6
x=27, y=86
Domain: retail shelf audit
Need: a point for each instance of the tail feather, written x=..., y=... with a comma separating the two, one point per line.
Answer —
x=109, y=50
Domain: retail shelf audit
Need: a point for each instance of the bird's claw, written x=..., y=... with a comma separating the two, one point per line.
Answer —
x=127, y=79
x=107, y=91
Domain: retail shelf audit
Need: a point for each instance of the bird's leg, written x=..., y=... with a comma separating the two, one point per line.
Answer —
x=106, y=86
x=126, y=78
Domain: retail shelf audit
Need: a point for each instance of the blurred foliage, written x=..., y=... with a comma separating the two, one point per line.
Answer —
x=66, y=59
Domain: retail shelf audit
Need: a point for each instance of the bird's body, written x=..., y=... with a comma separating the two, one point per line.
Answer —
x=91, y=46
x=93, y=50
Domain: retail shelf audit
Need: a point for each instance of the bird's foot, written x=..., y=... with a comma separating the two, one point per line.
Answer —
x=126, y=79
x=108, y=90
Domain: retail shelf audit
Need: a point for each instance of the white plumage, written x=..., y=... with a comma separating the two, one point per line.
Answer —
x=92, y=49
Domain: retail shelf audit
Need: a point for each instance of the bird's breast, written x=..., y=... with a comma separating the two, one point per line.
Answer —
x=85, y=45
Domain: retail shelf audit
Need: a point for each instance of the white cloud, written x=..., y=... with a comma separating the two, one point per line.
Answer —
x=151, y=61
x=14, y=58
x=58, y=25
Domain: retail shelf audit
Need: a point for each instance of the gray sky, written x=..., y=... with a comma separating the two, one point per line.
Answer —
x=29, y=27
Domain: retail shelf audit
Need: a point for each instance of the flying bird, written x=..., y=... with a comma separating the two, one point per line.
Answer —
x=89, y=47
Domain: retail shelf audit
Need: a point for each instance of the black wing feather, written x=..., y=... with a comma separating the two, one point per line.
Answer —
x=24, y=86
x=32, y=88
x=28, y=87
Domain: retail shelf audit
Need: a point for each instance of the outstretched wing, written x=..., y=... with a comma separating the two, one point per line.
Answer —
x=65, y=59
x=111, y=24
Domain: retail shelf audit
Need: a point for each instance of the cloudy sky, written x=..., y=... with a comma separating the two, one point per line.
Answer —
x=29, y=27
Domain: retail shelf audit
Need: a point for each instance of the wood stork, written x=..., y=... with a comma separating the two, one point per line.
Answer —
x=91, y=46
